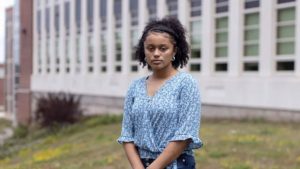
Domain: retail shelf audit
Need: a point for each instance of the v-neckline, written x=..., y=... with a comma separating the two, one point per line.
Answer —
x=160, y=88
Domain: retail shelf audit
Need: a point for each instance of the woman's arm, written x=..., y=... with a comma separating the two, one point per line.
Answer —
x=170, y=153
x=133, y=156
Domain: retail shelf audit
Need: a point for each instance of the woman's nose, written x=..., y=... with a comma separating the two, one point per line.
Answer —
x=156, y=53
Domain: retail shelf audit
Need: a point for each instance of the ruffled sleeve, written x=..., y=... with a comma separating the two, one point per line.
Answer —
x=189, y=114
x=127, y=133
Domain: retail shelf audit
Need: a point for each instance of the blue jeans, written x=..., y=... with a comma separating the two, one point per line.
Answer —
x=184, y=161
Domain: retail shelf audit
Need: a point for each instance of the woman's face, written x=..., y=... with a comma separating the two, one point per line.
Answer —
x=159, y=50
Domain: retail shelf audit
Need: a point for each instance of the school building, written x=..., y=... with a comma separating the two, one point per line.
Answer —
x=244, y=53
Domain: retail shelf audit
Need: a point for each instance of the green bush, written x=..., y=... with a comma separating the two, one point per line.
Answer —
x=57, y=109
x=20, y=132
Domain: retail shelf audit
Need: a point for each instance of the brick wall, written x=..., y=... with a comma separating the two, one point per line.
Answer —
x=26, y=44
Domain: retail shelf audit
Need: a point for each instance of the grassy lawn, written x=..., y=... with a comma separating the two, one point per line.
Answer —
x=4, y=124
x=91, y=144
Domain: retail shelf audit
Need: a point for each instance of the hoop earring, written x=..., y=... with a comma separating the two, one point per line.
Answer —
x=173, y=58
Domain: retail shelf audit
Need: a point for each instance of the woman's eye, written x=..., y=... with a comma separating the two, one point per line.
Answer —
x=150, y=48
x=163, y=48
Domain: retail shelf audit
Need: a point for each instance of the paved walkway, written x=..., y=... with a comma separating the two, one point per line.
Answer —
x=7, y=133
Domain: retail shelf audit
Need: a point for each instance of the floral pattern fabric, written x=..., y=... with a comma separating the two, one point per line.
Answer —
x=172, y=114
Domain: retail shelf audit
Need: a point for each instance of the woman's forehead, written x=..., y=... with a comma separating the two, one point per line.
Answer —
x=158, y=37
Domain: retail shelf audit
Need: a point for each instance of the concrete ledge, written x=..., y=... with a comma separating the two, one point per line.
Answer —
x=114, y=105
x=239, y=113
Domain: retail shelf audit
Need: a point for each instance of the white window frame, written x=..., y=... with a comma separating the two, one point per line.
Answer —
x=195, y=60
x=254, y=58
x=222, y=59
x=279, y=58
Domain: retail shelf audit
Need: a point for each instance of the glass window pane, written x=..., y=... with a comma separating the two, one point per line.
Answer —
x=221, y=67
x=134, y=37
x=251, y=34
x=287, y=14
x=222, y=9
x=134, y=68
x=103, y=69
x=285, y=1
x=118, y=46
x=103, y=58
x=221, y=51
x=118, y=68
x=221, y=37
x=103, y=8
x=196, y=39
x=251, y=66
x=195, y=67
x=285, y=48
x=251, y=4
x=118, y=57
x=285, y=66
x=286, y=31
x=196, y=53
x=195, y=26
x=251, y=50
x=222, y=23
x=252, y=19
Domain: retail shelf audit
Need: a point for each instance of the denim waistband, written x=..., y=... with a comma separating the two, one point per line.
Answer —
x=185, y=160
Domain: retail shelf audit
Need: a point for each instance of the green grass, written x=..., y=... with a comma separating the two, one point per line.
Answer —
x=4, y=124
x=91, y=144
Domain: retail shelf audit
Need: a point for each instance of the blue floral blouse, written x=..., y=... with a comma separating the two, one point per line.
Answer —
x=172, y=114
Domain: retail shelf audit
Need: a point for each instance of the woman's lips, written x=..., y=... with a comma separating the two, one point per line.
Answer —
x=156, y=61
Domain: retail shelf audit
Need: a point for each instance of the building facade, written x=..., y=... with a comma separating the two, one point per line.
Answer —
x=19, y=46
x=2, y=89
x=24, y=59
x=244, y=53
x=8, y=78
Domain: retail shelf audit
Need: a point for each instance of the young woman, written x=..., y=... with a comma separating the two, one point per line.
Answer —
x=161, y=118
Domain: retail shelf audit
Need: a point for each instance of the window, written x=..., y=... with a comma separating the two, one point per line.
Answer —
x=103, y=14
x=118, y=13
x=67, y=57
x=118, y=49
x=285, y=43
x=103, y=56
x=56, y=19
x=172, y=7
x=90, y=53
x=57, y=54
x=151, y=4
x=284, y=1
x=47, y=55
x=196, y=8
x=90, y=11
x=67, y=17
x=78, y=14
x=251, y=37
x=195, y=36
x=134, y=34
x=221, y=6
x=118, y=34
x=39, y=22
x=221, y=41
x=134, y=41
x=47, y=23
x=251, y=4
x=39, y=55
x=134, y=12
x=78, y=56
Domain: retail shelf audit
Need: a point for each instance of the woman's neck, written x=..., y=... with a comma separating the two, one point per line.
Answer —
x=164, y=74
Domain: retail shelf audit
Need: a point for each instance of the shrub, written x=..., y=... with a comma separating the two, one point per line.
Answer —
x=56, y=109
x=21, y=131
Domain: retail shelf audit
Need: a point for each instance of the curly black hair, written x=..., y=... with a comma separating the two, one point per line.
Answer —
x=174, y=28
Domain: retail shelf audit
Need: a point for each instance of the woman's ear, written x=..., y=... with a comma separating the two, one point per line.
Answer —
x=175, y=50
